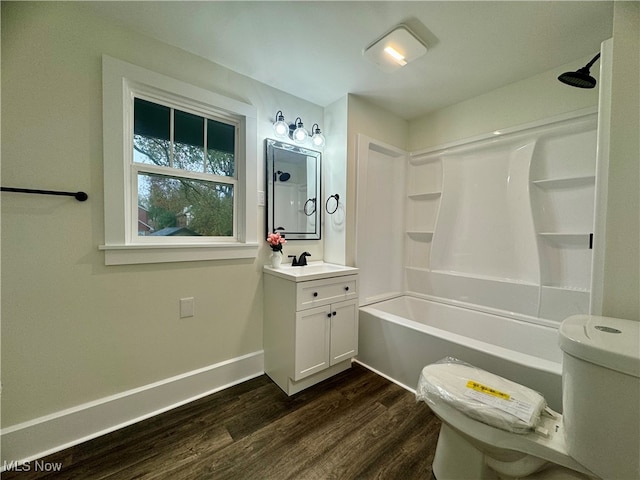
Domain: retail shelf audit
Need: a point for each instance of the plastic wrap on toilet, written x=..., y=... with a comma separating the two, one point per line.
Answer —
x=481, y=395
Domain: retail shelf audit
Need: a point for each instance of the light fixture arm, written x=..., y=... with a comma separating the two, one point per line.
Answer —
x=296, y=124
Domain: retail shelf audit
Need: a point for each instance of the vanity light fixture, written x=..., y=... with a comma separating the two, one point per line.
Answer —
x=280, y=127
x=395, y=49
x=317, y=138
x=296, y=131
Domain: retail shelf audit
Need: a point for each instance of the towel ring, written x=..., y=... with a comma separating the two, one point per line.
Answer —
x=313, y=204
x=326, y=205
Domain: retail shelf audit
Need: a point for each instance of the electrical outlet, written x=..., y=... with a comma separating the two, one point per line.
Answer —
x=187, y=307
x=260, y=198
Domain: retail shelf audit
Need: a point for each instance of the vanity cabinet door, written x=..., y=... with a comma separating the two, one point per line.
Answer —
x=312, y=341
x=344, y=331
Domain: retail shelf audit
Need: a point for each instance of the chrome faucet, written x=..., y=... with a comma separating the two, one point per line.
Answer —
x=301, y=261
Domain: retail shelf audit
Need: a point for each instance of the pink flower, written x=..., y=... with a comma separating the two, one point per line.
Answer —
x=276, y=241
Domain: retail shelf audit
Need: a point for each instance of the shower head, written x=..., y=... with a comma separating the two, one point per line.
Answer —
x=282, y=176
x=580, y=78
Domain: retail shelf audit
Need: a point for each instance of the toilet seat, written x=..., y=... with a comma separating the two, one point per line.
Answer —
x=482, y=395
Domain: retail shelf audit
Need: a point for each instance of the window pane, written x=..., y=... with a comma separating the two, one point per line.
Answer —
x=151, y=125
x=169, y=206
x=151, y=119
x=220, y=148
x=221, y=136
x=189, y=142
x=220, y=163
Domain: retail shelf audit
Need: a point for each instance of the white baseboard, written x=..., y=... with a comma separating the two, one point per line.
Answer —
x=43, y=436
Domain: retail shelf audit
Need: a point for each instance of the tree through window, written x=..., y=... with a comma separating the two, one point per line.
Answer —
x=185, y=166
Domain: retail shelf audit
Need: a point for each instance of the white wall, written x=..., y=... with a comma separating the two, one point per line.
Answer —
x=334, y=181
x=622, y=256
x=535, y=98
x=74, y=330
x=380, y=125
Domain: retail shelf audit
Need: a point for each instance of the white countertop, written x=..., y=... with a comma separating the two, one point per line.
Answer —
x=311, y=271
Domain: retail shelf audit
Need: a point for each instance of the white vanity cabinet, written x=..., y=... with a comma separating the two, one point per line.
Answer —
x=310, y=326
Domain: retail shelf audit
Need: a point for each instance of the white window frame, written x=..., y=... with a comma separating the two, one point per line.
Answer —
x=121, y=82
x=144, y=92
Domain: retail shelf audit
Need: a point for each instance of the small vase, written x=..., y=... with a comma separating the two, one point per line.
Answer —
x=276, y=259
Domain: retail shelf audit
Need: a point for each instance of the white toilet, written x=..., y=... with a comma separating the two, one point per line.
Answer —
x=597, y=436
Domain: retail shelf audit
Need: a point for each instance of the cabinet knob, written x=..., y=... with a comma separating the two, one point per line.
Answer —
x=346, y=289
x=329, y=314
x=334, y=314
x=315, y=294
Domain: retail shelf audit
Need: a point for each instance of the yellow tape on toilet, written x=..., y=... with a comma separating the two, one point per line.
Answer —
x=488, y=390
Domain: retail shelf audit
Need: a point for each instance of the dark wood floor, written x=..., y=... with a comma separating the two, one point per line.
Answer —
x=356, y=425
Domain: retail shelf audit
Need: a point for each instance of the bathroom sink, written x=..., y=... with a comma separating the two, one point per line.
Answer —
x=312, y=271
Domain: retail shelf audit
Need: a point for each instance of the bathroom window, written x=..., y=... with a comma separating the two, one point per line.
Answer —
x=184, y=172
x=180, y=170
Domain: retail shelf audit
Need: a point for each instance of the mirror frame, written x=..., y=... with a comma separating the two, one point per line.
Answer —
x=270, y=147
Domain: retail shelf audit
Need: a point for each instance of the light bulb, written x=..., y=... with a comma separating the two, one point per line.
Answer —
x=280, y=128
x=317, y=139
x=300, y=135
x=397, y=56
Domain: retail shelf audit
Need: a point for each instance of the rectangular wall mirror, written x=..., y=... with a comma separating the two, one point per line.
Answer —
x=293, y=191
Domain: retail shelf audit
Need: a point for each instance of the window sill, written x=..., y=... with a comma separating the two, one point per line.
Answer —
x=138, y=254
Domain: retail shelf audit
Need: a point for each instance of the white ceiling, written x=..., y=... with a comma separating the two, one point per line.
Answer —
x=313, y=49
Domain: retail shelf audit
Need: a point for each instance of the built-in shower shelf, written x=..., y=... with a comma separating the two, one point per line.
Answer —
x=584, y=239
x=564, y=182
x=564, y=288
x=424, y=195
x=424, y=235
x=564, y=234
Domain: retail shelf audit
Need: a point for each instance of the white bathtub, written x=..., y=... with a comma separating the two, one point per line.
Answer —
x=398, y=337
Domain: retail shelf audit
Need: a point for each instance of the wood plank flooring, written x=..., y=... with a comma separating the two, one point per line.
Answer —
x=356, y=425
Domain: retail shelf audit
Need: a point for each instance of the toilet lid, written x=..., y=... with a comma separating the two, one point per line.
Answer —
x=481, y=395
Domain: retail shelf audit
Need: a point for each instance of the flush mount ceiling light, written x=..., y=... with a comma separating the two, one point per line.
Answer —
x=395, y=49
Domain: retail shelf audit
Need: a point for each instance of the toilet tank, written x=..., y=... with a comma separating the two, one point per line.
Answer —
x=601, y=394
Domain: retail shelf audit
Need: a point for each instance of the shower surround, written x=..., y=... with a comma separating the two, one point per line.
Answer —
x=501, y=224
x=510, y=226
